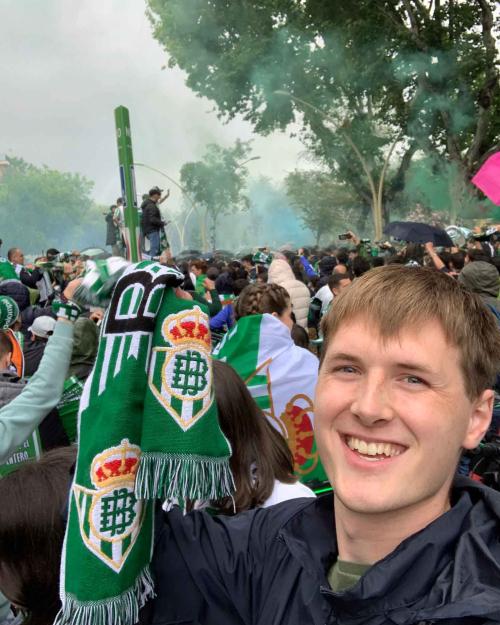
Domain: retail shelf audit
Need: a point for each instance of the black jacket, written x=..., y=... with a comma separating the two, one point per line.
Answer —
x=269, y=567
x=111, y=234
x=151, y=217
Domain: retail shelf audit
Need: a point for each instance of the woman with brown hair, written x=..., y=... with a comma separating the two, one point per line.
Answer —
x=258, y=299
x=261, y=462
x=32, y=523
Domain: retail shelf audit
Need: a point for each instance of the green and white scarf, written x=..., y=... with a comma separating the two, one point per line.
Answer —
x=281, y=378
x=147, y=428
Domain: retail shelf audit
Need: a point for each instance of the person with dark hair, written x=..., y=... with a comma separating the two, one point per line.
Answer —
x=32, y=524
x=360, y=265
x=199, y=268
x=261, y=462
x=337, y=282
x=151, y=221
x=300, y=336
x=249, y=266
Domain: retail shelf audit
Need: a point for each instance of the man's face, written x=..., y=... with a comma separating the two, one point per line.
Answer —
x=391, y=418
x=18, y=257
x=155, y=197
x=343, y=284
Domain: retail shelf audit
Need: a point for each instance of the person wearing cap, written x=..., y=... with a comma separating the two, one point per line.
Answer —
x=151, y=221
x=41, y=330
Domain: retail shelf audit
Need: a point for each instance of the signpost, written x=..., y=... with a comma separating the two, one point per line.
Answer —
x=127, y=179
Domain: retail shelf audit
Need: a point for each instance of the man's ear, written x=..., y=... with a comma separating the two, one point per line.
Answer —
x=480, y=419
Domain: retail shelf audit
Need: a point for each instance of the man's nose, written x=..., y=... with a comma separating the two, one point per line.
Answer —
x=372, y=402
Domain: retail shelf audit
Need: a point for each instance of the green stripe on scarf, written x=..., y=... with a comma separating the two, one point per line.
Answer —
x=124, y=431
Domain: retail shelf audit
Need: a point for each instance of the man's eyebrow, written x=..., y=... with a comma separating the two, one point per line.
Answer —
x=414, y=366
x=342, y=356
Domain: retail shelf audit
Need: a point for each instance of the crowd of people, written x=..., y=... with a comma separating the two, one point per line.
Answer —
x=369, y=369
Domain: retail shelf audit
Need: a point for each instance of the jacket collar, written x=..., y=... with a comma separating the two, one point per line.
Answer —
x=449, y=569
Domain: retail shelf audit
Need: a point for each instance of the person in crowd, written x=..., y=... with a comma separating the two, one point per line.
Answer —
x=261, y=462
x=21, y=416
x=304, y=259
x=482, y=278
x=84, y=352
x=338, y=282
x=152, y=223
x=28, y=313
x=10, y=323
x=280, y=272
x=248, y=265
x=360, y=265
x=300, y=336
x=37, y=278
x=41, y=330
x=32, y=529
x=119, y=221
x=112, y=233
x=199, y=269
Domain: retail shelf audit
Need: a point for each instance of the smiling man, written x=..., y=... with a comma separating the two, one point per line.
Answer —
x=404, y=387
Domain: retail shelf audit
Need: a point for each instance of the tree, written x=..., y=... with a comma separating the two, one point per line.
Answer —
x=360, y=77
x=321, y=203
x=217, y=184
x=42, y=207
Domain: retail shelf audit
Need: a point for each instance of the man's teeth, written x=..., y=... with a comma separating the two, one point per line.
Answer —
x=372, y=449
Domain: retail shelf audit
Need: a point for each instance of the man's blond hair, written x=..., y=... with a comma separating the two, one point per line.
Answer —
x=395, y=297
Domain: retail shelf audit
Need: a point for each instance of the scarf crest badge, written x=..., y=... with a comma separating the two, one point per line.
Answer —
x=181, y=373
x=111, y=516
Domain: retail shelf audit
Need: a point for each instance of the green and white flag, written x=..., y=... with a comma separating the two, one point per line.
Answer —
x=30, y=450
x=282, y=379
x=129, y=436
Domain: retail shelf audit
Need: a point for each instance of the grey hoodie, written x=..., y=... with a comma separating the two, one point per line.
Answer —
x=482, y=278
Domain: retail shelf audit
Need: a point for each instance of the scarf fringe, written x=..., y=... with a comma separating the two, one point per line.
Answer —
x=121, y=610
x=183, y=476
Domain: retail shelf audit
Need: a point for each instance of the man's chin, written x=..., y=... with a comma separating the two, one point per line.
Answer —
x=366, y=501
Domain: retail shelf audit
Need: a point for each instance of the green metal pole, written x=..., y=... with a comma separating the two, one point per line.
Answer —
x=127, y=179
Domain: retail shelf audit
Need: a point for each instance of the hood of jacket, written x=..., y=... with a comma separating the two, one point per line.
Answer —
x=480, y=277
x=448, y=570
x=280, y=271
x=85, y=344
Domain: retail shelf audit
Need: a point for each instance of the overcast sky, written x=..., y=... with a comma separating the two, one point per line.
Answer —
x=66, y=64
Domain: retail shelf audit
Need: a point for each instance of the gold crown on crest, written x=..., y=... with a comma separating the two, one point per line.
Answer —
x=115, y=465
x=186, y=327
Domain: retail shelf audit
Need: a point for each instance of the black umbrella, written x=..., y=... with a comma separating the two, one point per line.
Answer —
x=413, y=232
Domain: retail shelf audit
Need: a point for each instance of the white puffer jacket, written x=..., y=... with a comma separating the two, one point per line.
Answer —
x=281, y=273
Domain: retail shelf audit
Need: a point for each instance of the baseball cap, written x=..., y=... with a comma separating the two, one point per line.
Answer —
x=9, y=312
x=155, y=190
x=43, y=326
